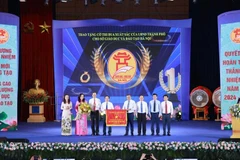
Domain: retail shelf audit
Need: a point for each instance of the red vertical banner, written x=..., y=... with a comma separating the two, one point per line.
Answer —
x=37, y=51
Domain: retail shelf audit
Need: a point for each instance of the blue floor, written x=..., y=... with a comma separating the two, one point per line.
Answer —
x=183, y=131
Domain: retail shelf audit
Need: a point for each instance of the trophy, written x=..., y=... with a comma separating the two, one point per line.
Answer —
x=171, y=89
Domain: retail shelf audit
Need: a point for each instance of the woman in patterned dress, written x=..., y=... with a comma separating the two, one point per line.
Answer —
x=66, y=125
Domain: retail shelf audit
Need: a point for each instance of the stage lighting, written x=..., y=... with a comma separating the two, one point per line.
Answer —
x=46, y=2
x=118, y=1
x=85, y=2
x=103, y=2
x=64, y=1
x=137, y=2
x=155, y=1
x=22, y=0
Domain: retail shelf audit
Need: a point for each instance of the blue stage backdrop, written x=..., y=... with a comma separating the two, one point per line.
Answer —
x=116, y=58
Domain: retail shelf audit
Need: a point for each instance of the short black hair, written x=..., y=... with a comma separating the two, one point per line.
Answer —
x=165, y=95
x=107, y=96
x=155, y=94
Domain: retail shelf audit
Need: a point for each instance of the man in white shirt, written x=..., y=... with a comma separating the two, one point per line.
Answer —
x=142, y=115
x=106, y=106
x=155, y=113
x=130, y=106
x=166, y=112
x=95, y=104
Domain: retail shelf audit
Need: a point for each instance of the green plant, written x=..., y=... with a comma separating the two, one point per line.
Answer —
x=35, y=98
x=235, y=110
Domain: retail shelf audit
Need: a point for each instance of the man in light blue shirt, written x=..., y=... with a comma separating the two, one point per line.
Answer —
x=155, y=113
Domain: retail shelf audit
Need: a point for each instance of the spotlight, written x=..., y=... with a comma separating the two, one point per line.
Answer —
x=85, y=2
x=137, y=2
x=64, y=1
x=22, y=0
x=155, y=1
x=103, y=2
x=118, y=1
x=46, y=2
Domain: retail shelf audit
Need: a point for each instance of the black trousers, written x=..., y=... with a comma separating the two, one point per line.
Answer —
x=142, y=123
x=155, y=120
x=105, y=126
x=166, y=118
x=95, y=120
x=130, y=117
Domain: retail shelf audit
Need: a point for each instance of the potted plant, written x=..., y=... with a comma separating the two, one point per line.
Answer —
x=235, y=113
x=33, y=98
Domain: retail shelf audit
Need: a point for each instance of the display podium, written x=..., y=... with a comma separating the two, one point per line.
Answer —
x=235, y=127
x=36, y=113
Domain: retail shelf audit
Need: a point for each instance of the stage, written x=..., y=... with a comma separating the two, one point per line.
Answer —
x=182, y=131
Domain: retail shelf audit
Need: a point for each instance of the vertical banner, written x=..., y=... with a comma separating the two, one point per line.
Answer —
x=8, y=77
x=229, y=69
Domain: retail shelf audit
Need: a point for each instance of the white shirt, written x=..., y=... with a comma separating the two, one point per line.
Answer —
x=131, y=106
x=105, y=106
x=169, y=108
x=157, y=107
x=66, y=107
x=144, y=107
x=98, y=104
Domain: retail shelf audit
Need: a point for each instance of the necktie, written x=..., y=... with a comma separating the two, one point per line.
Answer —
x=141, y=108
x=128, y=104
x=94, y=104
x=166, y=111
x=154, y=106
x=106, y=105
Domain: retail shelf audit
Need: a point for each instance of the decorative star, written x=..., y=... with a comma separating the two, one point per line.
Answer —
x=44, y=27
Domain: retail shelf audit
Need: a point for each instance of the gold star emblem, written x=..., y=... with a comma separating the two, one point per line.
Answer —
x=44, y=27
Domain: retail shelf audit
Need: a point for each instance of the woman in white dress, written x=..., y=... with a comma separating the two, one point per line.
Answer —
x=66, y=125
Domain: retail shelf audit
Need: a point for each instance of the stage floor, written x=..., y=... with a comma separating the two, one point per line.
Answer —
x=183, y=131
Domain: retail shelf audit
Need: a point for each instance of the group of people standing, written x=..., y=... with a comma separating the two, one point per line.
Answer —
x=143, y=111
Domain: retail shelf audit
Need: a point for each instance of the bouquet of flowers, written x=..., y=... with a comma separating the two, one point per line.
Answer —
x=84, y=108
x=35, y=98
x=226, y=121
x=235, y=110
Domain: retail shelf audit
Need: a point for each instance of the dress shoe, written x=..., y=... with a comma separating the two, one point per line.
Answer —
x=157, y=134
x=104, y=134
x=132, y=134
x=169, y=134
x=164, y=134
x=144, y=134
x=109, y=134
x=97, y=134
x=93, y=134
x=152, y=134
x=139, y=134
x=125, y=134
